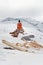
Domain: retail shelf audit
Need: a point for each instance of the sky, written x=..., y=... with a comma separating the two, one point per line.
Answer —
x=21, y=8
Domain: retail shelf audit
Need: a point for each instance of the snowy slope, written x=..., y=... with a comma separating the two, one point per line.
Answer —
x=16, y=57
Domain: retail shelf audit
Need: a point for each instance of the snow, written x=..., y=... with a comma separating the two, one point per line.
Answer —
x=16, y=57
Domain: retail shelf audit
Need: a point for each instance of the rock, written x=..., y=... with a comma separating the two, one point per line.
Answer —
x=28, y=38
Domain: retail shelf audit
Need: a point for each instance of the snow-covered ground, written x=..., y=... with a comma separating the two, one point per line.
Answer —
x=16, y=57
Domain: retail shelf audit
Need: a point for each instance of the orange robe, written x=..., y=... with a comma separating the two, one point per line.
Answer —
x=19, y=26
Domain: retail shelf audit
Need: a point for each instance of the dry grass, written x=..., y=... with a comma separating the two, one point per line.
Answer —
x=33, y=44
x=25, y=46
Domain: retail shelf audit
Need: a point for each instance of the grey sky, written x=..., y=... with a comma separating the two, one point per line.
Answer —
x=21, y=8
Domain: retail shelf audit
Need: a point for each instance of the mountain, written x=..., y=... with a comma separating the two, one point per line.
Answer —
x=8, y=19
x=32, y=21
x=28, y=21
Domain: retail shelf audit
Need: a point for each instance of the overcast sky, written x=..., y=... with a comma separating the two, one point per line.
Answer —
x=21, y=8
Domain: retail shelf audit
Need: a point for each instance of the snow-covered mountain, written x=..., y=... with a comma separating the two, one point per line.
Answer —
x=28, y=21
